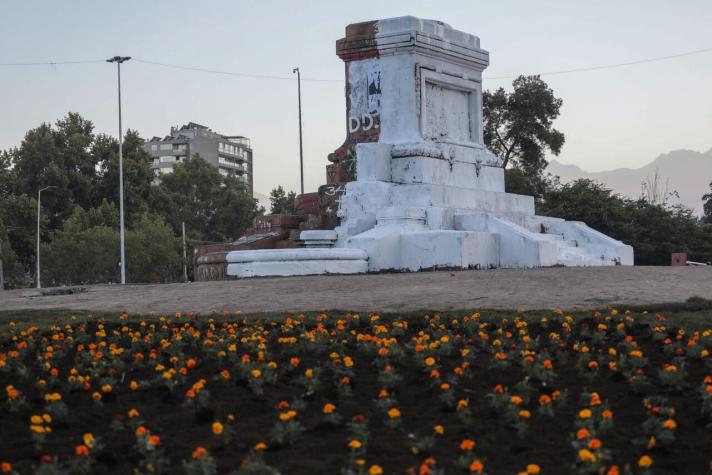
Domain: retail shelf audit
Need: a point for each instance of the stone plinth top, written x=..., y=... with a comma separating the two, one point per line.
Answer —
x=373, y=38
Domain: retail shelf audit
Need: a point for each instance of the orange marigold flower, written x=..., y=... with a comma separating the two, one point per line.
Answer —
x=645, y=461
x=607, y=414
x=594, y=444
x=467, y=444
x=154, y=440
x=440, y=430
x=524, y=414
x=355, y=444
x=141, y=431
x=394, y=413
x=516, y=400
x=259, y=446
x=190, y=363
x=81, y=450
x=329, y=408
x=429, y=361
x=375, y=470
x=256, y=373
x=544, y=400
x=217, y=428
x=5, y=467
x=582, y=433
x=294, y=362
x=133, y=385
x=533, y=469
x=670, y=424
x=584, y=413
x=199, y=453
x=476, y=467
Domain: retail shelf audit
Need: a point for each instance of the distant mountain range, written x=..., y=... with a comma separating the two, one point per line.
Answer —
x=685, y=171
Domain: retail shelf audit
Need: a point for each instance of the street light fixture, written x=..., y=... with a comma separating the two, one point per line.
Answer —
x=301, y=154
x=118, y=60
x=39, y=214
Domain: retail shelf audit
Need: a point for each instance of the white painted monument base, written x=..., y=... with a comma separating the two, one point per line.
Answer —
x=428, y=194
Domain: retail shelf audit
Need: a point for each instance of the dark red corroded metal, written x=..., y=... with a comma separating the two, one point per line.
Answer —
x=678, y=259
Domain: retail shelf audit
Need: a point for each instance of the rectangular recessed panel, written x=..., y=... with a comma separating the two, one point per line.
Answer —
x=447, y=113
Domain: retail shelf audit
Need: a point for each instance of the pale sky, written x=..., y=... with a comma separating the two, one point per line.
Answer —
x=622, y=117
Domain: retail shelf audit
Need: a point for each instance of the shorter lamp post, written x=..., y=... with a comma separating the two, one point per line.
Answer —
x=39, y=215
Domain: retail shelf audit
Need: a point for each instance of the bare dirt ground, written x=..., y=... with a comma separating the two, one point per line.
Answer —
x=568, y=288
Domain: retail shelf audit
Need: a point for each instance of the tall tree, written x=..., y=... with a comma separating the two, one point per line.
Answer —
x=59, y=157
x=138, y=176
x=518, y=126
x=707, y=207
x=282, y=202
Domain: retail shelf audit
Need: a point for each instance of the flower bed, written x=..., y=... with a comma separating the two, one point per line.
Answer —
x=357, y=394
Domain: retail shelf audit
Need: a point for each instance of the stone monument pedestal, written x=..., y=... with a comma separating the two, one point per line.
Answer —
x=413, y=187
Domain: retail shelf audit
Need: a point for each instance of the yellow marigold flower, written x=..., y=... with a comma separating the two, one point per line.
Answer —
x=329, y=408
x=218, y=428
x=533, y=469
x=355, y=444
x=524, y=414
x=260, y=446
x=37, y=429
x=37, y=420
x=645, y=461
x=88, y=439
x=584, y=413
x=586, y=455
x=348, y=362
x=440, y=430
x=309, y=373
x=394, y=413
x=375, y=470
x=47, y=418
x=429, y=361
x=256, y=373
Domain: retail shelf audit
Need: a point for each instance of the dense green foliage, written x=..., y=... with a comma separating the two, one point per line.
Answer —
x=282, y=202
x=79, y=226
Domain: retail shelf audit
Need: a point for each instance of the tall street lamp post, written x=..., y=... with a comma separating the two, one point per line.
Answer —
x=118, y=60
x=301, y=153
x=39, y=215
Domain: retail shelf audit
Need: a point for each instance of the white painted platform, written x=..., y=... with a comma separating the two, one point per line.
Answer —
x=299, y=261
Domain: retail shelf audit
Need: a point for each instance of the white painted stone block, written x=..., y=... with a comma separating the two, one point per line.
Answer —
x=292, y=268
x=449, y=173
x=448, y=249
x=373, y=162
x=426, y=195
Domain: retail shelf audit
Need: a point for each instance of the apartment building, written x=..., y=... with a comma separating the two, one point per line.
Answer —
x=230, y=154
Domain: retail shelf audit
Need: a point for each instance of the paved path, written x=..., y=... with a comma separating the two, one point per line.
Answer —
x=502, y=288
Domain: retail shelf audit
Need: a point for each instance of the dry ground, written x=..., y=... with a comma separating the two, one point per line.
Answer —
x=569, y=288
